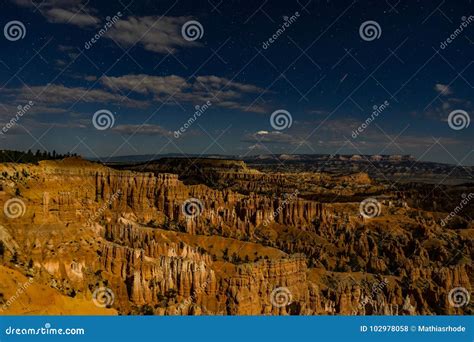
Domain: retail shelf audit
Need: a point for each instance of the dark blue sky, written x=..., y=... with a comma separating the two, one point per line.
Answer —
x=320, y=70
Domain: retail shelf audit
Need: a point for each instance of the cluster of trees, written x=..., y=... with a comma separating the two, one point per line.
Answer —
x=8, y=156
x=234, y=258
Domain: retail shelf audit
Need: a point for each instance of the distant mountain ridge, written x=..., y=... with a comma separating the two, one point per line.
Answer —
x=282, y=157
x=384, y=167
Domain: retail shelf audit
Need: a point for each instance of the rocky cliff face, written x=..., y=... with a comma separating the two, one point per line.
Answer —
x=154, y=197
x=282, y=286
x=255, y=247
x=149, y=266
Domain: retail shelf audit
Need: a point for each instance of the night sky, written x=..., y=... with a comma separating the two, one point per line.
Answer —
x=144, y=76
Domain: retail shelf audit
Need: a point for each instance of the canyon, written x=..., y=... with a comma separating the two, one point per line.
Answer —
x=222, y=237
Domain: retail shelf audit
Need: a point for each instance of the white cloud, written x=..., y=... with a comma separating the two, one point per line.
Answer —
x=443, y=89
x=441, y=111
x=145, y=84
x=146, y=129
x=73, y=12
x=221, y=82
x=266, y=137
x=154, y=33
x=138, y=91
x=218, y=90
x=63, y=16
x=56, y=99
x=59, y=94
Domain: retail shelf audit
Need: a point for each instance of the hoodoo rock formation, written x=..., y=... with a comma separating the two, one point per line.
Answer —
x=226, y=239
